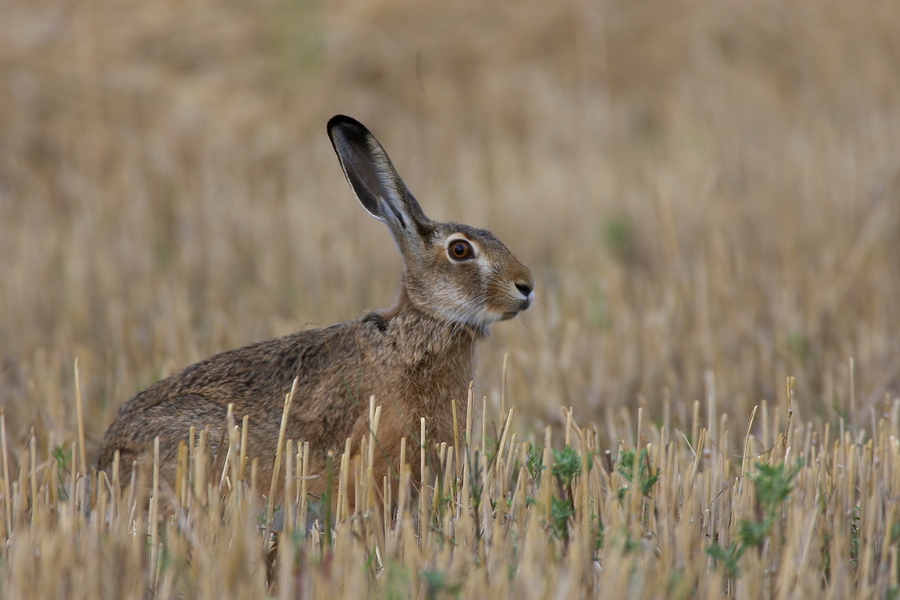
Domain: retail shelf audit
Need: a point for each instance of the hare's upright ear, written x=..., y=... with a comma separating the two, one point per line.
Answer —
x=376, y=183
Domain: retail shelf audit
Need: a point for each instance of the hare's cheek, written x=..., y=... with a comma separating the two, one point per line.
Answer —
x=448, y=296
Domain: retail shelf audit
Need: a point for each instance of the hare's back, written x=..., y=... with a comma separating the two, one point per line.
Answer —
x=254, y=379
x=254, y=371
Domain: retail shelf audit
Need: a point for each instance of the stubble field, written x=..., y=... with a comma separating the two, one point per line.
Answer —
x=705, y=395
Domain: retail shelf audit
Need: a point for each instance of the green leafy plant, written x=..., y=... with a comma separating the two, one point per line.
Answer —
x=561, y=509
x=534, y=462
x=646, y=477
x=566, y=467
x=773, y=486
x=62, y=460
x=599, y=534
x=437, y=585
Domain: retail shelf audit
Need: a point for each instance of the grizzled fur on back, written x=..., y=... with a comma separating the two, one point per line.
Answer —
x=416, y=358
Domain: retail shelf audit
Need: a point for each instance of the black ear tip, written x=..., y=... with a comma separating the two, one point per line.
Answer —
x=348, y=126
x=340, y=120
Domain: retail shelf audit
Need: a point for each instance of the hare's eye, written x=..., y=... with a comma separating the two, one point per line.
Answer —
x=460, y=250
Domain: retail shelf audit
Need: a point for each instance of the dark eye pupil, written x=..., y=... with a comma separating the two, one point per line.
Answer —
x=460, y=250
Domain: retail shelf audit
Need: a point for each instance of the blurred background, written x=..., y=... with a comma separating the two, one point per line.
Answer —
x=707, y=191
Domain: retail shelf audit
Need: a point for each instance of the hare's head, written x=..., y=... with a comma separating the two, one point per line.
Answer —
x=454, y=272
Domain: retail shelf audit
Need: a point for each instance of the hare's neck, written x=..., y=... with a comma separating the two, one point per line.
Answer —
x=427, y=337
x=435, y=360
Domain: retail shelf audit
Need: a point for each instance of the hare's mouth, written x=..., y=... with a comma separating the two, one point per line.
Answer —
x=511, y=314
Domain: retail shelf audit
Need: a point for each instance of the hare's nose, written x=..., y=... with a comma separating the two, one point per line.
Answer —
x=525, y=288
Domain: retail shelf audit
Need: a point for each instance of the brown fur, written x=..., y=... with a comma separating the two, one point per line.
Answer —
x=415, y=358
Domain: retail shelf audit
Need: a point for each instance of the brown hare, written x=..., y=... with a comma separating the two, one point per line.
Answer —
x=415, y=357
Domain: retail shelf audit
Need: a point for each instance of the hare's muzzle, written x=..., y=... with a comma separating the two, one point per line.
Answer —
x=522, y=297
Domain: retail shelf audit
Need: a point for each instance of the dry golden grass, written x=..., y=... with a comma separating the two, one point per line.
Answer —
x=707, y=192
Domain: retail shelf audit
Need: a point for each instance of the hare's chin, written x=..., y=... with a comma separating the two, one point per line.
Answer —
x=483, y=320
x=487, y=318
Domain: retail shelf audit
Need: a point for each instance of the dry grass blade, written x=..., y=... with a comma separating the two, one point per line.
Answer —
x=270, y=505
